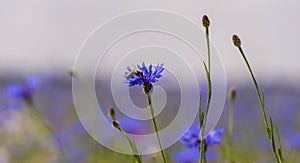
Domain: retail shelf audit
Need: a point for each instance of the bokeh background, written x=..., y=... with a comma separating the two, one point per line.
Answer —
x=42, y=38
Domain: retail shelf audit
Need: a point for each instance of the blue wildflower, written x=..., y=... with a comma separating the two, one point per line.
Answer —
x=25, y=91
x=192, y=138
x=144, y=75
x=214, y=137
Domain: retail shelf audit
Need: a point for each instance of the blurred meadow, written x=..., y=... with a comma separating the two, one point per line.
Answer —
x=41, y=39
x=24, y=138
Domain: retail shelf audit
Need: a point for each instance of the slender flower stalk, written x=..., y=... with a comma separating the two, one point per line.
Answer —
x=137, y=156
x=268, y=123
x=231, y=96
x=145, y=76
x=203, y=141
x=155, y=127
x=206, y=24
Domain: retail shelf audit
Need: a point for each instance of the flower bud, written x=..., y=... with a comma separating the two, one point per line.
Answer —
x=205, y=21
x=116, y=124
x=112, y=113
x=232, y=93
x=236, y=41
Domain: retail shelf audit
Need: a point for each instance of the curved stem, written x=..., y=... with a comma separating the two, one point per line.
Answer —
x=270, y=131
x=132, y=144
x=256, y=88
x=202, y=130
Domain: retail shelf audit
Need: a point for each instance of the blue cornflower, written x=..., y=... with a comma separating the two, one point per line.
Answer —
x=25, y=91
x=192, y=138
x=144, y=75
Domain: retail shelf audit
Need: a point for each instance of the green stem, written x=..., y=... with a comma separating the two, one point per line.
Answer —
x=270, y=131
x=155, y=127
x=200, y=113
x=209, y=92
x=230, y=129
x=46, y=125
x=256, y=88
x=272, y=140
x=208, y=48
x=279, y=145
x=132, y=144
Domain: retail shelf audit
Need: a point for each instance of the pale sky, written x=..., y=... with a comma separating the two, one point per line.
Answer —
x=45, y=35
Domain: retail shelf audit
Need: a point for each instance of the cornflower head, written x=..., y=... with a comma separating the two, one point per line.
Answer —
x=143, y=75
x=192, y=138
x=23, y=91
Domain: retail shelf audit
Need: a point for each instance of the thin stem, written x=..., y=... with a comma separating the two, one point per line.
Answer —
x=279, y=145
x=256, y=88
x=46, y=125
x=155, y=127
x=270, y=131
x=230, y=129
x=208, y=48
x=132, y=144
x=209, y=92
x=201, y=118
x=200, y=113
x=273, y=141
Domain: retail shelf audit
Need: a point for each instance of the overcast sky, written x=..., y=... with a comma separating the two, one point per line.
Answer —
x=45, y=35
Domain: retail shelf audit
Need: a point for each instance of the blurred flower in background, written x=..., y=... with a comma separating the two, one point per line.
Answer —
x=23, y=91
x=192, y=138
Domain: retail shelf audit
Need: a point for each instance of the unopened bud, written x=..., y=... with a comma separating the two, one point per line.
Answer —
x=205, y=21
x=236, y=41
x=116, y=124
x=232, y=93
x=112, y=113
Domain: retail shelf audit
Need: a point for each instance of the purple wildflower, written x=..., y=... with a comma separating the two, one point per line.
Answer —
x=24, y=91
x=192, y=138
